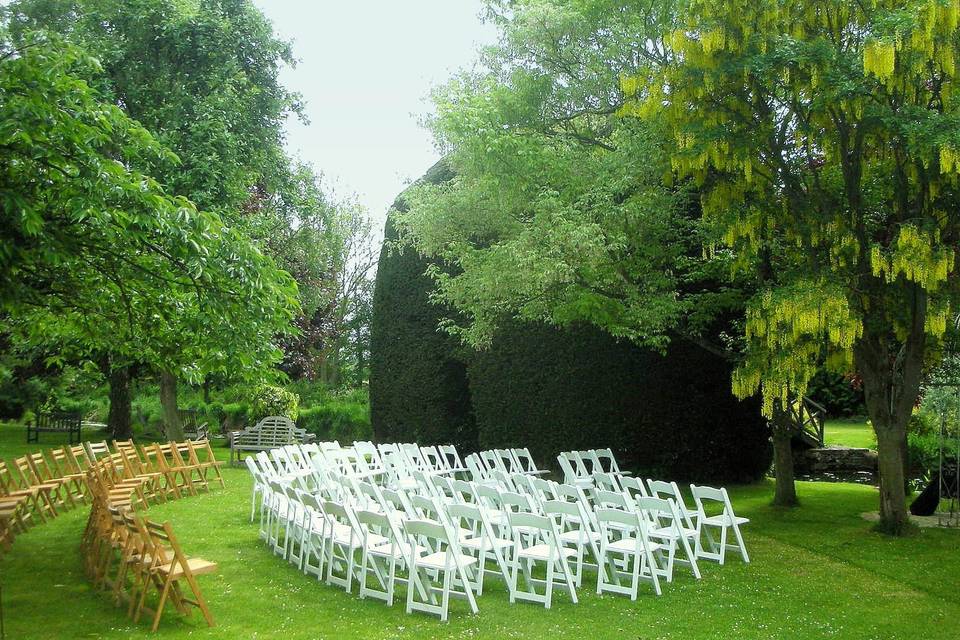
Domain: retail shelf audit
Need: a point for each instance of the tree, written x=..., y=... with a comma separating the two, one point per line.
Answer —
x=824, y=136
x=204, y=79
x=95, y=257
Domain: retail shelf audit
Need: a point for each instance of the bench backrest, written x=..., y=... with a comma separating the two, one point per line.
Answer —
x=272, y=431
x=65, y=420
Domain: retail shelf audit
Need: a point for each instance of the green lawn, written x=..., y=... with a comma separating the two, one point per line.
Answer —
x=850, y=432
x=817, y=572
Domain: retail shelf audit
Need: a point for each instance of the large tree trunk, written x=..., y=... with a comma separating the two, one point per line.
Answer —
x=785, y=493
x=119, y=419
x=891, y=371
x=168, y=402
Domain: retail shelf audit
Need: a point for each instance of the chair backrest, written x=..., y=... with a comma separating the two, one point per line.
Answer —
x=585, y=463
x=432, y=459
x=508, y=462
x=607, y=454
x=567, y=466
x=702, y=494
x=612, y=499
x=661, y=512
x=619, y=517
x=516, y=502
x=606, y=481
x=476, y=467
x=525, y=460
x=466, y=492
x=492, y=461
x=451, y=456
x=632, y=487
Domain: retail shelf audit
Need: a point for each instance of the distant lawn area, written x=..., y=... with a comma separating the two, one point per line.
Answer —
x=816, y=572
x=850, y=432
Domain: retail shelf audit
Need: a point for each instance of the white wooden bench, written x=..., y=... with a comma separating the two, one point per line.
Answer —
x=269, y=433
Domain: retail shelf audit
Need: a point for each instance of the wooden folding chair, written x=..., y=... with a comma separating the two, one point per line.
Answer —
x=12, y=493
x=189, y=464
x=168, y=567
x=64, y=467
x=134, y=470
x=178, y=478
x=209, y=461
x=43, y=473
x=50, y=491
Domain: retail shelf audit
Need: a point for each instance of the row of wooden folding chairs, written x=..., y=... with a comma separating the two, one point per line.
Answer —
x=174, y=468
x=37, y=487
x=132, y=556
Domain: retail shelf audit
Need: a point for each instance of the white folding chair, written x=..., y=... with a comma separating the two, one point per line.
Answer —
x=606, y=481
x=623, y=538
x=573, y=527
x=382, y=552
x=433, y=550
x=670, y=490
x=665, y=525
x=536, y=539
x=452, y=458
x=344, y=539
x=525, y=460
x=314, y=529
x=259, y=484
x=633, y=487
x=482, y=540
x=725, y=520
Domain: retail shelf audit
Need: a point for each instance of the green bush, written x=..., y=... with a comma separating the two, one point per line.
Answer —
x=837, y=394
x=274, y=401
x=342, y=419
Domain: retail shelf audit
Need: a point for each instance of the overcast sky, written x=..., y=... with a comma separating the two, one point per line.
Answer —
x=366, y=69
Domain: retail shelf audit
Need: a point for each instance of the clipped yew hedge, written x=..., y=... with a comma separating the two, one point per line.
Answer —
x=418, y=382
x=552, y=389
x=669, y=416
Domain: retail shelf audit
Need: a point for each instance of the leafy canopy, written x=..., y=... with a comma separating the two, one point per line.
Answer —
x=95, y=255
x=825, y=138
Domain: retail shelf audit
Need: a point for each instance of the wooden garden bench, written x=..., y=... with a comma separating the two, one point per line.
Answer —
x=193, y=428
x=54, y=422
x=269, y=433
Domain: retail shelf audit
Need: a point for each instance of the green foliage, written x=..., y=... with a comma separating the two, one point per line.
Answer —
x=830, y=170
x=96, y=257
x=670, y=416
x=837, y=394
x=274, y=401
x=342, y=419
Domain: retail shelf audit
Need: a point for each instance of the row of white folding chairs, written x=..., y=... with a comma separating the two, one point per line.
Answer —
x=429, y=536
x=507, y=461
x=583, y=536
x=579, y=466
x=310, y=461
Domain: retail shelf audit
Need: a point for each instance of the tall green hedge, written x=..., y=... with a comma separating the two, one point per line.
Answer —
x=669, y=416
x=552, y=389
x=418, y=385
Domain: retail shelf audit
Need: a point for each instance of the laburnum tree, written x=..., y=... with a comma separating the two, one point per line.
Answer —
x=97, y=258
x=825, y=136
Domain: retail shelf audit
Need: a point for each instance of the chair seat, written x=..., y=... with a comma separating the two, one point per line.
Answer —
x=544, y=552
x=629, y=545
x=438, y=560
x=723, y=520
x=668, y=533
x=482, y=543
x=198, y=566
x=577, y=536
